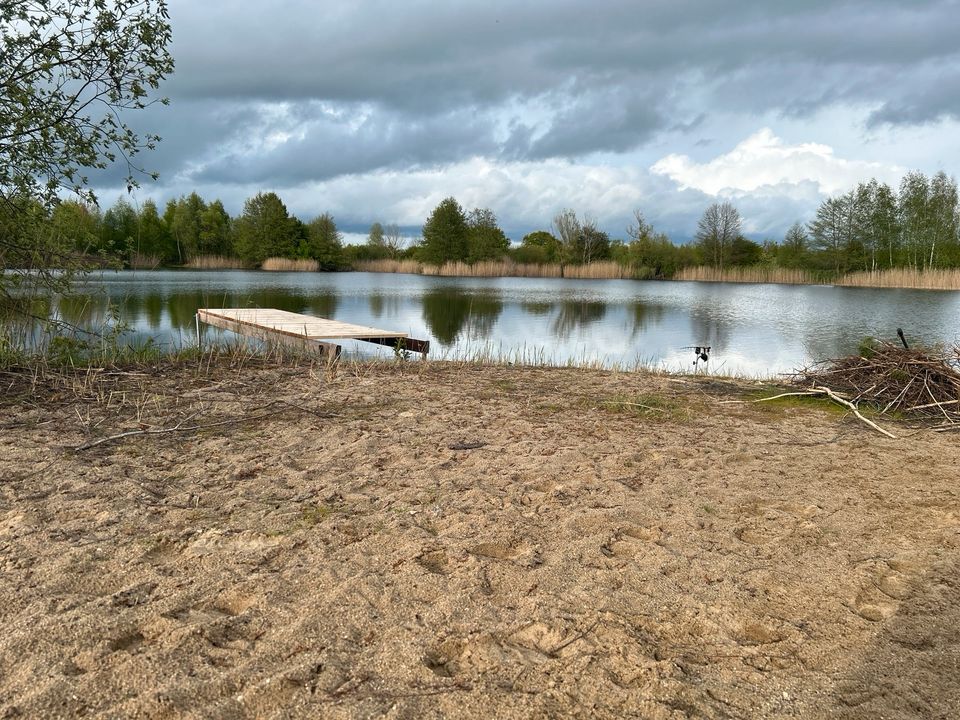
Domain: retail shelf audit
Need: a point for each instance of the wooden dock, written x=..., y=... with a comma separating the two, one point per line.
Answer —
x=305, y=332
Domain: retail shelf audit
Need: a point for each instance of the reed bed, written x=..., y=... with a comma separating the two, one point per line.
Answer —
x=215, y=262
x=144, y=261
x=411, y=267
x=279, y=264
x=601, y=270
x=493, y=268
x=904, y=278
x=783, y=276
x=485, y=268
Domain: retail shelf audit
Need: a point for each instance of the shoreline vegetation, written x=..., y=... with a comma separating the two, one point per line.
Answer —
x=872, y=236
x=905, y=278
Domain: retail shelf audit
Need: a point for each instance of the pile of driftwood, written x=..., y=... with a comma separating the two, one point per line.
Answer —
x=919, y=383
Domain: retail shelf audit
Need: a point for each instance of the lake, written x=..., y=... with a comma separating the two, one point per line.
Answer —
x=752, y=329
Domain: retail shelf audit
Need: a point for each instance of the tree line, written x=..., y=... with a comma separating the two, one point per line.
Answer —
x=190, y=228
x=871, y=227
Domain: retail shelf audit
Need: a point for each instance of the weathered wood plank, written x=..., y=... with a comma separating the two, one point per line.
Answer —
x=303, y=331
x=297, y=325
x=330, y=350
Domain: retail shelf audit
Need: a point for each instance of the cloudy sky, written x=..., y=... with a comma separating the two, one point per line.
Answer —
x=377, y=109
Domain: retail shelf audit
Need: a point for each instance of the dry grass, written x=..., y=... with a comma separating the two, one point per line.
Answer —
x=215, y=262
x=785, y=276
x=905, y=278
x=486, y=268
x=493, y=268
x=144, y=261
x=279, y=264
x=602, y=270
x=411, y=267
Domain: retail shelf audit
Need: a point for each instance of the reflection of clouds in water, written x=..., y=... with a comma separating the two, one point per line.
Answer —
x=754, y=329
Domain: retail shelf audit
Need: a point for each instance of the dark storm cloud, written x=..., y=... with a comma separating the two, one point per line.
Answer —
x=327, y=146
x=440, y=82
x=935, y=96
x=378, y=104
x=429, y=55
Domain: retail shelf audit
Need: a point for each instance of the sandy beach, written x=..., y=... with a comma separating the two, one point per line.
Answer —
x=439, y=540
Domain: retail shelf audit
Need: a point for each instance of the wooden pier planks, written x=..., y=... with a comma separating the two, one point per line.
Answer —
x=289, y=328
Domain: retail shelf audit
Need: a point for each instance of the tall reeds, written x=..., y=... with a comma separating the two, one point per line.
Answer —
x=904, y=278
x=498, y=268
x=493, y=268
x=215, y=262
x=279, y=264
x=144, y=261
x=389, y=266
x=894, y=278
x=785, y=276
x=602, y=270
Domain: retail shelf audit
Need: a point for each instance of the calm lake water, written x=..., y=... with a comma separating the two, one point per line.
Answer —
x=753, y=329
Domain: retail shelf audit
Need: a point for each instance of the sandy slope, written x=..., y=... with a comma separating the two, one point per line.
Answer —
x=331, y=556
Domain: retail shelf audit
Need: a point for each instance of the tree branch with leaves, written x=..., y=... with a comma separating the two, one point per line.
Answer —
x=70, y=71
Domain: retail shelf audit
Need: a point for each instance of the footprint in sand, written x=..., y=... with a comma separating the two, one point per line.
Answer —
x=498, y=551
x=757, y=534
x=887, y=586
x=434, y=562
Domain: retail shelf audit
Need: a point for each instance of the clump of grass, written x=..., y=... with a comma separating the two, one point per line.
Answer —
x=314, y=514
x=806, y=402
x=279, y=264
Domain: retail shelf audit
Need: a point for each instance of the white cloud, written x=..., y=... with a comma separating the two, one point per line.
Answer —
x=764, y=160
x=523, y=194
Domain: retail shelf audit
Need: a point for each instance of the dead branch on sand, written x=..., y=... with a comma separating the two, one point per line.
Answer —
x=922, y=383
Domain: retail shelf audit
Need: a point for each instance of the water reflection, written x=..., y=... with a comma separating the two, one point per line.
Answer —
x=447, y=311
x=537, y=308
x=577, y=315
x=645, y=313
x=753, y=329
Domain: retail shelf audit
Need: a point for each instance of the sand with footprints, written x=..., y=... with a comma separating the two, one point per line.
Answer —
x=442, y=540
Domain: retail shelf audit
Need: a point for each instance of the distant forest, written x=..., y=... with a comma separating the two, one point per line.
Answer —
x=871, y=228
